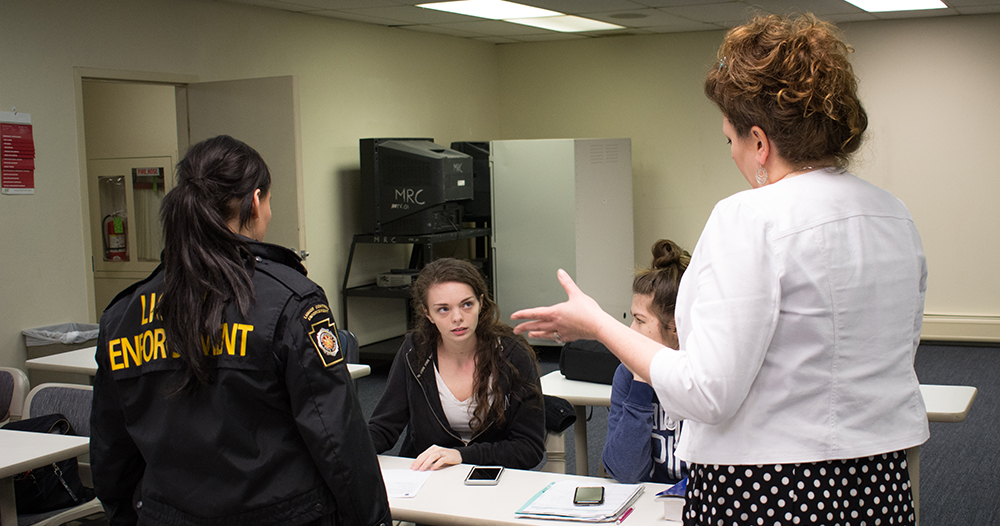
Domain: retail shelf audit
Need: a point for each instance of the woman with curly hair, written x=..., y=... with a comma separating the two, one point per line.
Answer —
x=799, y=315
x=464, y=386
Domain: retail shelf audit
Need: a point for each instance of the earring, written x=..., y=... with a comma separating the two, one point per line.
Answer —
x=761, y=176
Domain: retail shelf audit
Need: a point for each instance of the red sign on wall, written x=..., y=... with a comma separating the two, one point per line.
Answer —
x=17, y=154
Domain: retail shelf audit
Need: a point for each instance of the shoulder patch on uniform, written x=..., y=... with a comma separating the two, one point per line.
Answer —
x=323, y=334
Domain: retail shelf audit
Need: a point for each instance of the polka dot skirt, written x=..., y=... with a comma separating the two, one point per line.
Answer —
x=859, y=492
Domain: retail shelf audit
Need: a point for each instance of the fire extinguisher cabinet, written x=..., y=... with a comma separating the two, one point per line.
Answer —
x=125, y=196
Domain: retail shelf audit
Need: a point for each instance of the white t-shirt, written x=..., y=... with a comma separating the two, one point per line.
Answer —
x=798, y=318
x=458, y=412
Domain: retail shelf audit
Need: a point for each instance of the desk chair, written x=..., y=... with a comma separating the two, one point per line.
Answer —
x=73, y=401
x=13, y=388
x=350, y=346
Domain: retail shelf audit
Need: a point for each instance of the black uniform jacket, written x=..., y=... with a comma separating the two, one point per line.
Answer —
x=277, y=437
x=411, y=400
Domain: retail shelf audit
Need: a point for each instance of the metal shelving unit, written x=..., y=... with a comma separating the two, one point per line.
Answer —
x=421, y=254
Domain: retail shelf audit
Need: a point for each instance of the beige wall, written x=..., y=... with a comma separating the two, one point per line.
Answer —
x=355, y=81
x=928, y=85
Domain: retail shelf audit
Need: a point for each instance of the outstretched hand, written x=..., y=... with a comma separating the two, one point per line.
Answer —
x=577, y=318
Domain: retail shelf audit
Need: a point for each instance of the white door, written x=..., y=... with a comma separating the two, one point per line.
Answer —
x=263, y=113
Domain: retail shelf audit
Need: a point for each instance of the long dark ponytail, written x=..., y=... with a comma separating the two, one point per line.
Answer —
x=204, y=262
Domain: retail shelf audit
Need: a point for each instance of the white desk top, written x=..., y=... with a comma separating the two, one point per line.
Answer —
x=83, y=361
x=444, y=499
x=948, y=403
x=80, y=361
x=23, y=450
x=575, y=391
x=945, y=403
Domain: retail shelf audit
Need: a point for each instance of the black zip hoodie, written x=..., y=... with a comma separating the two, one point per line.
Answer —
x=411, y=401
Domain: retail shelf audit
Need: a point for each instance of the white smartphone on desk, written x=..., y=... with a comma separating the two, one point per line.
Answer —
x=484, y=476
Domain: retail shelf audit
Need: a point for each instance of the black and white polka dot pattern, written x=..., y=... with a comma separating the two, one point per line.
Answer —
x=858, y=492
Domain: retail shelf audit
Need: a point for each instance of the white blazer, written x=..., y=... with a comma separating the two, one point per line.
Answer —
x=798, y=319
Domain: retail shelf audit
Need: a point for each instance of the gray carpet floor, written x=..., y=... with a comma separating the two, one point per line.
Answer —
x=959, y=464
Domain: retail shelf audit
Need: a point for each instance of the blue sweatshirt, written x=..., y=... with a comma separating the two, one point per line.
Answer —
x=641, y=438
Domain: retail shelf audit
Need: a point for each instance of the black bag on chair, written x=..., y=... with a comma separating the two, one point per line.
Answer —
x=49, y=487
x=589, y=361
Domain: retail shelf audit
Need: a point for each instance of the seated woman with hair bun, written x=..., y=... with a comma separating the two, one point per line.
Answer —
x=799, y=315
x=642, y=436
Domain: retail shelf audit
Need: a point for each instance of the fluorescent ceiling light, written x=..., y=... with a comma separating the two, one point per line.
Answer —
x=881, y=6
x=492, y=9
x=566, y=24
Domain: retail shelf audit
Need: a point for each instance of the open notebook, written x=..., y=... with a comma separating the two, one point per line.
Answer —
x=555, y=501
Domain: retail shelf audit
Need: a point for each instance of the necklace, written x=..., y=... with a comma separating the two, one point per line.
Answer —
x=804, y=169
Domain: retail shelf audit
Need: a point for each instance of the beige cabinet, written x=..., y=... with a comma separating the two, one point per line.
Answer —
x=562, y=203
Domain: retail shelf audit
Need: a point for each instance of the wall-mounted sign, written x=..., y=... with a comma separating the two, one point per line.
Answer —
x=17, y=154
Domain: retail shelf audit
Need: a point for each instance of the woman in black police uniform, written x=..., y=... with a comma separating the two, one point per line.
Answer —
x=222, y=396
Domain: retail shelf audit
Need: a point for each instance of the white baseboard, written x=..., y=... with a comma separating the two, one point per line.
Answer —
x=942, y=327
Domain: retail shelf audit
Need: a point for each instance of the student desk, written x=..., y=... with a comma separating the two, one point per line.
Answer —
x=945, y=403
x=22, y=451
x=83, y=361
x=444, y=499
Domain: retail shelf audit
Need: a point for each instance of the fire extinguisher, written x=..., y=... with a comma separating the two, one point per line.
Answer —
x=115, y=237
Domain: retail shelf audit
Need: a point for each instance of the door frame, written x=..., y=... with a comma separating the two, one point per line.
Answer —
x=80, y=73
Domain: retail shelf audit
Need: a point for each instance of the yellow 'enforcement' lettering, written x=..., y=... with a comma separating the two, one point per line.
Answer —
x=112, y=354
x=160, y=345
x=152, y=307
x=229, y=341
x=129, y=350
x=151, y=345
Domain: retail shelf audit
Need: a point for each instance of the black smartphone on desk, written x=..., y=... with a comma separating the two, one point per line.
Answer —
x=589, y=496
x=484, y=476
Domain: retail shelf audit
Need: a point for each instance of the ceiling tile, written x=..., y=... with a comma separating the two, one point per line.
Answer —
x=669, y=16
x=979, y=10
x=336, y=5
x=970, y=3
x=498, y=28
x=444, y=29
x=684, y=26
x=350, y=15
x=674, y=3
x=497, y=40
x=411, y=14
x=714, y=13
x=923, y=13
x=852, y=17
x=549, y=36
x=274, y=4
x=639, y=18
x=816, y=7
x=576, y=7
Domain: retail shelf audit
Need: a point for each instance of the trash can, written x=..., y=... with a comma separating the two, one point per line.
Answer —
x=54, y=339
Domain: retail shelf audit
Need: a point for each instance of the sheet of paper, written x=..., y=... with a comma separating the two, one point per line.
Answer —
x=403, y=482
